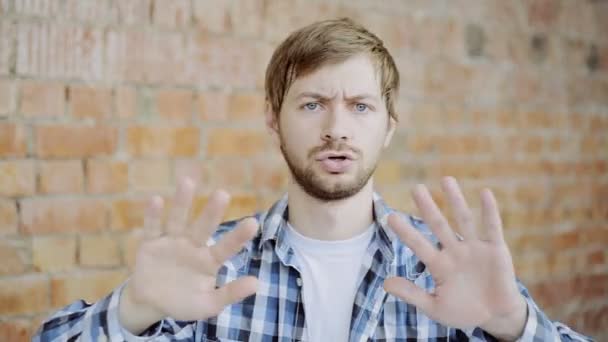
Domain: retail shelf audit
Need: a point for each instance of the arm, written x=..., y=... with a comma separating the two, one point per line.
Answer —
x=537, y=326
x=175, y=276
x=100, y=321
x=473, y=272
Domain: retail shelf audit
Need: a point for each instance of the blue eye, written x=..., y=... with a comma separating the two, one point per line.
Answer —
x=361, y=107
x=311, y=105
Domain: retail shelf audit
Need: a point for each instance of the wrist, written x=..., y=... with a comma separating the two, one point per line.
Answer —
x=510, y=326
x=134, y=316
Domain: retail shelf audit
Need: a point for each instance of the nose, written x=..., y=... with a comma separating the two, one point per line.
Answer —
x=336, y=126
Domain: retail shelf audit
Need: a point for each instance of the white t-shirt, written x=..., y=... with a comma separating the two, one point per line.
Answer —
x=330, y=275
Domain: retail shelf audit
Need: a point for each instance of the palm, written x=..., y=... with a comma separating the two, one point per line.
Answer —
x=474, y=276
x=175, y=273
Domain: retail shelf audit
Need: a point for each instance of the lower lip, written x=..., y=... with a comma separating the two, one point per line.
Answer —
x=336, y=165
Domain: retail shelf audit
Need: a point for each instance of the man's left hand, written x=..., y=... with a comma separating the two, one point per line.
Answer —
x=475, y=283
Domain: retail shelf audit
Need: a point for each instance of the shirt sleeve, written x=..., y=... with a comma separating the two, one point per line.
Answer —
x=540, y=328
x=99, y=322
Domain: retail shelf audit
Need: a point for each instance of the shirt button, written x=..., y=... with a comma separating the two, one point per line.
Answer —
x=299, y=282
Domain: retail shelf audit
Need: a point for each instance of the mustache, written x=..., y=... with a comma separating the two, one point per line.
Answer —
x=333, y=146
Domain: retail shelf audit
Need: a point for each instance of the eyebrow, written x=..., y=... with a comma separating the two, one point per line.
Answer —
x=320, y=96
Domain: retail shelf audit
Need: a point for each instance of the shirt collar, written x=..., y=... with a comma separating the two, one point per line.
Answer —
x=273, y=226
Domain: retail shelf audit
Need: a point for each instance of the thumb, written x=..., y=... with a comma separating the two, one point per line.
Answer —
x=410, y=293
x=234, y=291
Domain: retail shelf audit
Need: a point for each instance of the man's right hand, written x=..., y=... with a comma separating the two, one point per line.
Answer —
x=175, y=271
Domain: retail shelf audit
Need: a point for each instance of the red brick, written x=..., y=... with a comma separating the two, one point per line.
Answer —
x=134, y=12
x=241, y=205
x=269, y=175
x=282, y=17
x=230, y=174
x=596, y=258
x=17, y=178
x=7, y=35
x=80, y=56
x=235, y=142
x=7, y=97
x=127, y=213
x=12, y=140
x=447, y=80
x=246, y=106
x=388, y=173
x=213, y=17
x=225, y=62
x=196, y=170
x=577, y=18
x=13, y=255
x=150, y=175
x=89, y=102
x=125, y=102
x=150, y=141
x=90, y=286
x=8, y=217
x=106, y=176
x=99, y=250
x=247, y=17
x=543, y=13
x=42, y=99
x=565, y=241
x=25, y=294
x=175, y=104
x=172, y=13
x=141, y=56
x=49, y=215
x=16, y=330
x=63, y=141
x=54, y=253
x=60, y=177
x=212, y=106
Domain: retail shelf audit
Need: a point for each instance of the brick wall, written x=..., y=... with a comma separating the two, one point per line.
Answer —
x=104, y=102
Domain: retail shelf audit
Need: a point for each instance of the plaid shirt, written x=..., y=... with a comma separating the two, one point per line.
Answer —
x=276, y=313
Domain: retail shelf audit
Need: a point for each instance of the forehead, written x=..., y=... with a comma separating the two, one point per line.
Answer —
x=355, y=75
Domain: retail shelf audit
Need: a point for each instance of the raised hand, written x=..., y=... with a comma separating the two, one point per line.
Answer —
x=475, y=284
x=175, y=271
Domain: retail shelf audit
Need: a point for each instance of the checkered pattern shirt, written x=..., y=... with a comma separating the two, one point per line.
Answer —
x=276, y=312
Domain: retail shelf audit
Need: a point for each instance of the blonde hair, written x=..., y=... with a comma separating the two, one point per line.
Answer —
x=328, y=42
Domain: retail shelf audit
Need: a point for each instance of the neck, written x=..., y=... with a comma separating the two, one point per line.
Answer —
x=334, y=220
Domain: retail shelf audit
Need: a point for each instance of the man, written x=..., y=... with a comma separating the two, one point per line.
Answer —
x=329, y=261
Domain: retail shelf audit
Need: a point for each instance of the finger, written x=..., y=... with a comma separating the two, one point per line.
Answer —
x=233, y=241
x=462, y=213
x=211, y=217
x=178, y=216
x=412, y=238
x=153, y=218
x=410, y=293
x=433, y=216
x=491, y=216
x=233, y=292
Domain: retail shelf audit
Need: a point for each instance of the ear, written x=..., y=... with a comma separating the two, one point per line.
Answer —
x=392, y=125
x=272, y=122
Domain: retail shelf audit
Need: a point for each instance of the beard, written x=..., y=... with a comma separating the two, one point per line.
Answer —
x=317, y=185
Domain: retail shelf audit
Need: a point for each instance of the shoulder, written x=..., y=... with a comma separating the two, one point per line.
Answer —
x=228, y=226
x=414, y=221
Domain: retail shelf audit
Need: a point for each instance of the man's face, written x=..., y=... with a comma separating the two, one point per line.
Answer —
x=332, y=127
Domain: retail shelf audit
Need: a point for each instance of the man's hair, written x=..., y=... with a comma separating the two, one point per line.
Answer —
x=328, y=42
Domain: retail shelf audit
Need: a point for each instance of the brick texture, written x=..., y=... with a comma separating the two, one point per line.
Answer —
x=54, y=253
x=105, y=103
x=60, y=176
x=17, y=178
